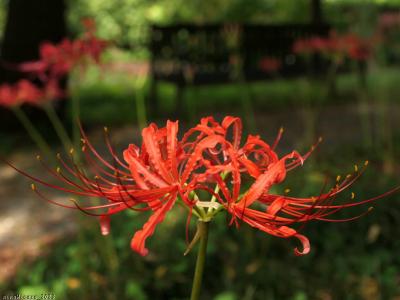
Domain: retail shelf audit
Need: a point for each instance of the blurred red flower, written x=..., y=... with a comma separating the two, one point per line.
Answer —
x=7, y=95
x=338, y=46
x=57, y=60
x=25, y=91
x=270, y=64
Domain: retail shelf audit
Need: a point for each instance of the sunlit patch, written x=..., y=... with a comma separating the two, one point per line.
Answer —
x=7, y=173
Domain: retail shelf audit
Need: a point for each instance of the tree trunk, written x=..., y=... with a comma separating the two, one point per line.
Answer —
x=316, y=12
x=29, y=23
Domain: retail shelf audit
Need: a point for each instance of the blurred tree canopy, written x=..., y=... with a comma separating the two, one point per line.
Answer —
x=3, y=5
x=126, y=21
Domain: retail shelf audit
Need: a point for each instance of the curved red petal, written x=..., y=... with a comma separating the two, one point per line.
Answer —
x=139, y=238
x=305, y=244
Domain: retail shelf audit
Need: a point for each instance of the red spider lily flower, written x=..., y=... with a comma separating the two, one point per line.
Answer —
x=309, y=46
x=208, y=158
x=389, y=20
x=28, y=92
x=57, y=60
x=21, y=92
x=92, y=46
x=25, y=91
x=337, y=46
x=357, y=48
x=89, y=24
x=7, y=95
x=270, y=64
x=52, y=90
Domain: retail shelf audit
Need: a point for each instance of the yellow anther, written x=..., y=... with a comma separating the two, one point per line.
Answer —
x=370, y=208
x=313, y=198
x=366, y=163
x=58, y=169
x=71, y=151
x=348, y=175
x=58, y=155
x=355, y=168
x=38, y=157
x=105, y=129
x=281, y=130
x=33, y=187
x=96, y=177
x=287, y=191
x=353, y=195
x=338, y=178
x=320, y=139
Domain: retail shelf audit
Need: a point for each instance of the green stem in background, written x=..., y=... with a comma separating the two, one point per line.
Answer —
x=364, y=106
x=111, y=261
x=140, y=104
x=75, y=110
x=202, y=228
x=83, y=244
x=247, y=104
x=82, y=254
x=385, y=145
x=33, y=132
x=308, y=112
x=58, y=126
x=247, y=101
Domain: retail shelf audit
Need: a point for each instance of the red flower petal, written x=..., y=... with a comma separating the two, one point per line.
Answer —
x=139, y=239
x=149, y=139
x=306, y=245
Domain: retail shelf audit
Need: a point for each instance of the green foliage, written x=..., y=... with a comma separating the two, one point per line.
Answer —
x=3, y=13
x=345, y=262
x=126, y=21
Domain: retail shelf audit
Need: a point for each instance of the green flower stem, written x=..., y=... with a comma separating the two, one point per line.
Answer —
x=201, y=258
x=33, y=132
x=73, y=83
x=200, y=210
x=76, y=136
x=58, y=127
x=195, y=209
x=216, y=191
